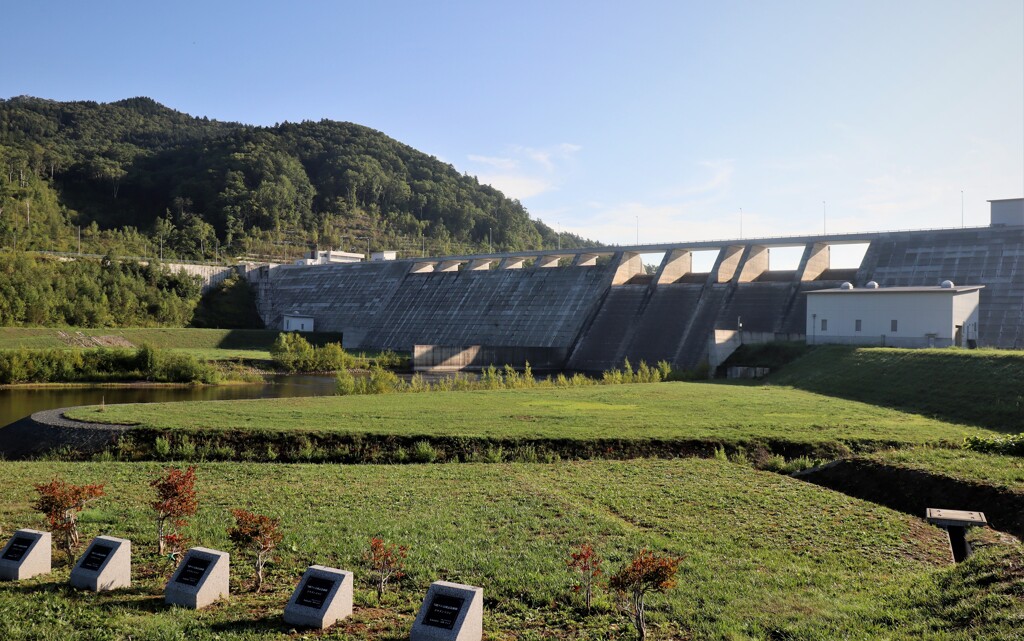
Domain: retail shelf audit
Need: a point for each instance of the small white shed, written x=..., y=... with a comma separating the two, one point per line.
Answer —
x=940, y=316
x=297, y=323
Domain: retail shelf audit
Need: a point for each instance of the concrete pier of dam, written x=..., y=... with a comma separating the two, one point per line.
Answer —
x=599, y=306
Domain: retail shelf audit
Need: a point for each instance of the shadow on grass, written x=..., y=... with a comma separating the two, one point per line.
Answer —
x=983, y=388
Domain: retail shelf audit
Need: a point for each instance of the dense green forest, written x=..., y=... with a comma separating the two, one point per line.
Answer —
x=44, y=291
x=136, y=178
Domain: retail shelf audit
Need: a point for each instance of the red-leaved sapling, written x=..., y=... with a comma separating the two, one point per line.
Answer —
x=257, y=535
x=386, y=561
x=586, y=564
x=175, y=500
x=647, y=573
x=60, y=502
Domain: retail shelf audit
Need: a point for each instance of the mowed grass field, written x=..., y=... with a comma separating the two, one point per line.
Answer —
x=765, y=556
x=639, y=411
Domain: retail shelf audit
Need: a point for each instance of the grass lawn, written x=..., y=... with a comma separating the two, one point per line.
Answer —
x=640, y=411
x=965, y=465
x=765, y=556
x=980, y=387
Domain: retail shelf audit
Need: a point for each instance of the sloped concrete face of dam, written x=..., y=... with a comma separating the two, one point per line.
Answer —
x=598, y=306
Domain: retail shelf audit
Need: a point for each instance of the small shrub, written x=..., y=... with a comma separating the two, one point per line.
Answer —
x=258, y=536
x=345, y=383
x=645, y=574
x=385, y=561
x=162, y=447
x=186, y=448
x=423, y=452
x=61, y=502
x=1012, y=444
x=176, y=500
x=586, y=565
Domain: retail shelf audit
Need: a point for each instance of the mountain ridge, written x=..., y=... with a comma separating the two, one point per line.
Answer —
x=141, y=177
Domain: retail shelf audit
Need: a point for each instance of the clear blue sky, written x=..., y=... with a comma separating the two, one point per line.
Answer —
x=598, y=114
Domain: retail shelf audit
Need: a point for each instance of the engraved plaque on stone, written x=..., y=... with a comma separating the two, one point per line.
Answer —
x=443, y=611
x=323, y=596
x=192, y=571
x=17, y=548
x=201, y=579
x=26, y=554
x=450, y=612
x=106, y=565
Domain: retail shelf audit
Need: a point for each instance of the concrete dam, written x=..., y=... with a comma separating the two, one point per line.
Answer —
x=588, y=309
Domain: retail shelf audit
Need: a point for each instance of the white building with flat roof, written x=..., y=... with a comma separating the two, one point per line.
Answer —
x=296, y=322
x=941, y=316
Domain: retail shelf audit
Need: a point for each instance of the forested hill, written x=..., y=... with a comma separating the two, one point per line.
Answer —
x=139, y=178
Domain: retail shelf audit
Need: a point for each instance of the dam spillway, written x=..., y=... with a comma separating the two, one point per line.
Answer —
x=596, y=306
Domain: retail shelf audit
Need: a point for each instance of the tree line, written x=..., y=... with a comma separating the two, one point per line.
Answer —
x=42, y=291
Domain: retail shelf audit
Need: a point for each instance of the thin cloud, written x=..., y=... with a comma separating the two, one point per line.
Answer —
x=525, y=172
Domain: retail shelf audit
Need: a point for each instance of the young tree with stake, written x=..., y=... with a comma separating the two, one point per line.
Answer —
x=257, y=535
x=646, y=573
x=176, y=499
x=386, y=561
x=587, y=565
x=60, y=502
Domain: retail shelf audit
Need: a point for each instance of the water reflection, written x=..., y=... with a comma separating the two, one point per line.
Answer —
x=16, y=404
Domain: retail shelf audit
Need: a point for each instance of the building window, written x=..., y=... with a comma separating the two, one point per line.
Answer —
x=856, y=325
x=894, y=326
x=824, y=324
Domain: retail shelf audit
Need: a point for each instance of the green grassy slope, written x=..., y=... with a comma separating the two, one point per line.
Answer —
x=980, y=387
x=766, y=556
x=973, y=467
x=641, y=411
x=42, y=338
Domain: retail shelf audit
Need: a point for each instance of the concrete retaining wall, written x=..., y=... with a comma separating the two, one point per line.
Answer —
x=441, y=358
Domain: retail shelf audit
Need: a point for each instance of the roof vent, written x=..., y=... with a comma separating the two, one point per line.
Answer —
x=872, y=285
x=947, y=284
x=846, y=285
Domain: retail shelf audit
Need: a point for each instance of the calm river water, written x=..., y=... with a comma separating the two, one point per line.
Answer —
x=16, y=404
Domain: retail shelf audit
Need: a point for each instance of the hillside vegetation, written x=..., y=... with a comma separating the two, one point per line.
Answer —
x=978, y=387
x=142, y=179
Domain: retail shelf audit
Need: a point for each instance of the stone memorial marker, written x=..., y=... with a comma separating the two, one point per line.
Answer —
x=106, y=565
x=26, y=555
x=323, y=596
x=201, y=579
x=450, y=612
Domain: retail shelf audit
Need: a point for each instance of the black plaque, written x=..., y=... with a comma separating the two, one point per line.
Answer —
x=19, y=545
x=95, y=557
x=443, y=611
x=314, y=592
x=193, y=571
